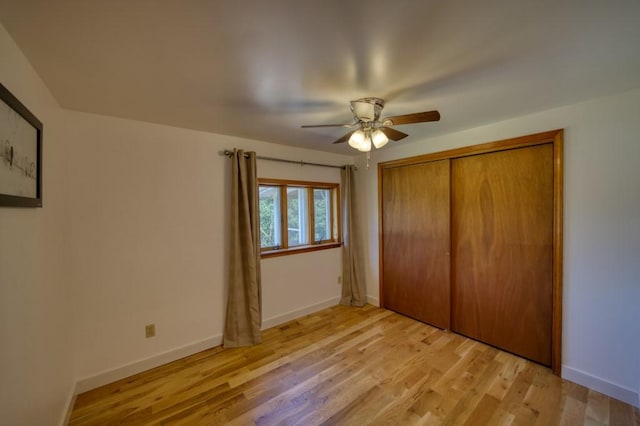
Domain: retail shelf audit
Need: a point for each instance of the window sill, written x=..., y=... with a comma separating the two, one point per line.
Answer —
x=298, y=249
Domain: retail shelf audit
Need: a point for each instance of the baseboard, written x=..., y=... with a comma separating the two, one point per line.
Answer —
x=373, y=301
x=69, y=403
x=135, y=367
x=603, y=386
x=291, y=315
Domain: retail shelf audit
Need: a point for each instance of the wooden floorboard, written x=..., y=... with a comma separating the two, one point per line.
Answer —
x=351, y=366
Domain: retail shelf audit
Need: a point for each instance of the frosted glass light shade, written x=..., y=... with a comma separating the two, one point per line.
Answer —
x=378, y=138
x=366, y=145
x=360, y=141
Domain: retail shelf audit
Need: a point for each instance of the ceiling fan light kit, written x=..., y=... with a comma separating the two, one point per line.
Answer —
x=371, y=129
x=363, y=139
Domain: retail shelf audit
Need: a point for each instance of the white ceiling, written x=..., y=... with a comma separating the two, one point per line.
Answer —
x=259, y=69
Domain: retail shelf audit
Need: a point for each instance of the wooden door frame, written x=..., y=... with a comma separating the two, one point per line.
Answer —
x=554, y=137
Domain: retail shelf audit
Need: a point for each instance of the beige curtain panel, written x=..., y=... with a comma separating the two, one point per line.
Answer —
x=354, y=291
x=244, y=304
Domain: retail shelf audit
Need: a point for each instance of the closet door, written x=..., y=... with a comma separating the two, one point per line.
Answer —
x=416, y=241
x=502, y=226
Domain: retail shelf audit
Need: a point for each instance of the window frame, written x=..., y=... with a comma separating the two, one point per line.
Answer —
x=336, y=217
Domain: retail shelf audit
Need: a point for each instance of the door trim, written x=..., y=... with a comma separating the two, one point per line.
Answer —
x=556, y=138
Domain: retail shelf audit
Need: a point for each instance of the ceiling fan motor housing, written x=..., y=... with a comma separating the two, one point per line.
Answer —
x=367, y=109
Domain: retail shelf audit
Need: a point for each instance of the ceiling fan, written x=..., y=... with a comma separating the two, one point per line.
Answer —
x=371, y=130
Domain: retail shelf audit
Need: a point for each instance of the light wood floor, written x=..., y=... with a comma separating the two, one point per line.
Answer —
x=351, y=366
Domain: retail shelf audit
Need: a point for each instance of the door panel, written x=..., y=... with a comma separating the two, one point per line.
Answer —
x=416, y=241
x=502, y=236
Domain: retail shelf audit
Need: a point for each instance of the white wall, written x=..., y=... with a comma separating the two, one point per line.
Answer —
x=35, y=325
x=601, y=325
x=149, y=218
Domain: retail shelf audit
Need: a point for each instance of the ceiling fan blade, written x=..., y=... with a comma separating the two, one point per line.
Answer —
x=345, y=137
x=306, y=126
x=393, y=134
x=417, y=117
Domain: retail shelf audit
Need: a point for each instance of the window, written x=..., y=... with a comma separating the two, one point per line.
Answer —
x=270, y=233
x=298, y=216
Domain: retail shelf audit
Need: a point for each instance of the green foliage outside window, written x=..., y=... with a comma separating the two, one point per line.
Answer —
x=269, y=208
x=267, y=222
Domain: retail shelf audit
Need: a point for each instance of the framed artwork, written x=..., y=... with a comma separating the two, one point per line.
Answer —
x=20, y=154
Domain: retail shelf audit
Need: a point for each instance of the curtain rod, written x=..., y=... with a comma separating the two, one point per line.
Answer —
x=228, y=153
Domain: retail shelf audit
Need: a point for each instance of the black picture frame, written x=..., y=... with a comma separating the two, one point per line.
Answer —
x=20, y=154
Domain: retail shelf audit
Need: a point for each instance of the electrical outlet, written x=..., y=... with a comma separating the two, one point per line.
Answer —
x=339, y=279
x=149, y=330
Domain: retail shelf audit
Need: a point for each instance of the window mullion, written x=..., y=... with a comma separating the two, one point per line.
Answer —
x=336, y=216
x=311, y=234
x=331, y=215
x=283, y=217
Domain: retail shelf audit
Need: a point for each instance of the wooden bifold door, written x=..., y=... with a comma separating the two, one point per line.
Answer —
x=471, y=241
